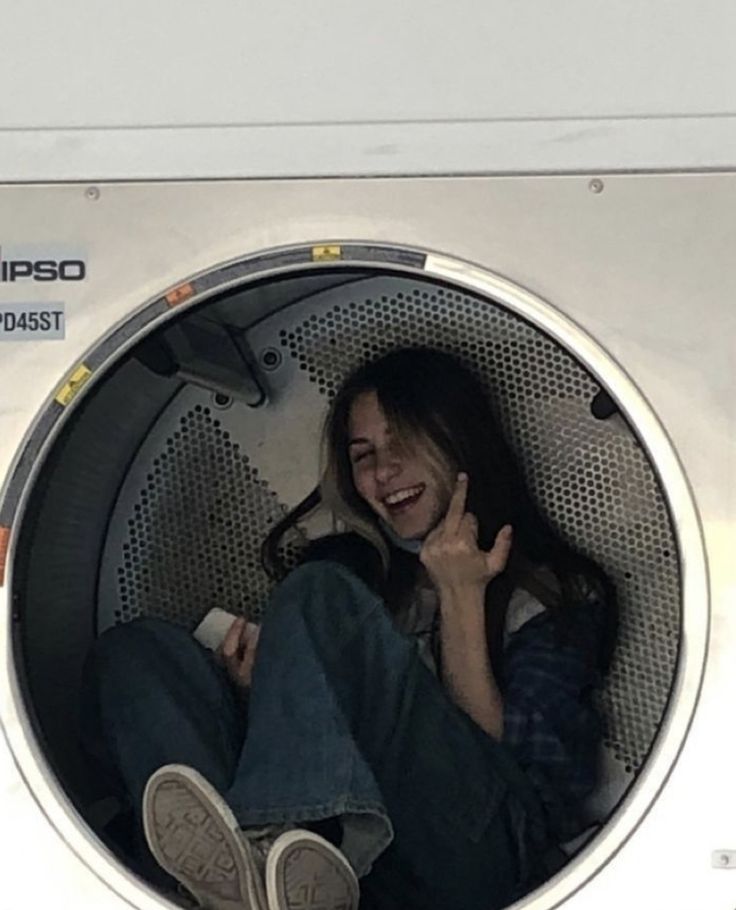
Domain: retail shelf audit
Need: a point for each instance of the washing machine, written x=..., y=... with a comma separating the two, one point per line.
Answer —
x=180, y=298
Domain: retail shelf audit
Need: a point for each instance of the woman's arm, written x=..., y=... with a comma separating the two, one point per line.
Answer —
x=460, y=571
x=466, y=665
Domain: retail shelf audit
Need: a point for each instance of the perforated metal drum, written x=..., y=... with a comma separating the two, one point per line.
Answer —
x=187, y=527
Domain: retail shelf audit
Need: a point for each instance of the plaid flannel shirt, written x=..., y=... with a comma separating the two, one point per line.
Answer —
x=550, y=721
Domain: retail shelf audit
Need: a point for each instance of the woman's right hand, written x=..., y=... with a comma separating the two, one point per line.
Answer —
x=450, y=552
x=238, y=651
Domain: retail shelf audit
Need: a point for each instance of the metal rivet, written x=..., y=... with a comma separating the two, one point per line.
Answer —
x=92, y=193
x=271, y=359
x=596, y=185
x=221, y=400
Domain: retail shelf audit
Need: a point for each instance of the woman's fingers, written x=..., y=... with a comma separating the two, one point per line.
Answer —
x=469, y=525
x=238, y=651
x=498, y=555
x=251, y=643
x=250, y=638
x=456, y=509
x=231, y=642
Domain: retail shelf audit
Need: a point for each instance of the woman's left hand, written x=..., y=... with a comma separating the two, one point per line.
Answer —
x=451, y=554
x=238, y=651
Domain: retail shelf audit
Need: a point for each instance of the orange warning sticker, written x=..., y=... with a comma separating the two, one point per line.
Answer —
x=74, y=383
x=4, y=540
x=328, y=253
x=180, y=294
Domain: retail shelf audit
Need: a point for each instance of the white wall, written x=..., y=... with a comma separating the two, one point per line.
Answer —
x=156, y=88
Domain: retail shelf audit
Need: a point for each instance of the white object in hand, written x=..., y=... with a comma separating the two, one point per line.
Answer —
x=214, y=627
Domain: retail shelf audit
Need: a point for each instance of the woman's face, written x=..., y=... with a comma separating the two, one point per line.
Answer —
x=396, y=478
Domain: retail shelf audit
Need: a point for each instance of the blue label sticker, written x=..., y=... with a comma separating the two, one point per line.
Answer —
x=32, y=322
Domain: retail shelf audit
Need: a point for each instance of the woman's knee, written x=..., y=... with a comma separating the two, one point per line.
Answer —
x=141, y=632
x=325, y=604
x=322, y=591
x=140, y=645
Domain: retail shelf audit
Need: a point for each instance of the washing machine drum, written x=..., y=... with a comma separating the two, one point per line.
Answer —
x=159, y=493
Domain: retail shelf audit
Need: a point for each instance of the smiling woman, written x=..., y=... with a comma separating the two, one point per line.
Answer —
x=420, y=711
x=394, y=476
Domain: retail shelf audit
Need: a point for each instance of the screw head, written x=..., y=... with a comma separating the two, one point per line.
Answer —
x=271, y=359
x=596, y=185
x=92, y=193
x=221, y=400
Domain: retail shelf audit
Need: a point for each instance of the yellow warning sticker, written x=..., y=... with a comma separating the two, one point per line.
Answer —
x=4, y=540
x=326, y=253
x=73, y=384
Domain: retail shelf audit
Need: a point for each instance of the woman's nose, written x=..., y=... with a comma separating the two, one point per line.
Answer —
x=388, y=464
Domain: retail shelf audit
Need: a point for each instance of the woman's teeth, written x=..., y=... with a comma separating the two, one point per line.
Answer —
x=402, y=496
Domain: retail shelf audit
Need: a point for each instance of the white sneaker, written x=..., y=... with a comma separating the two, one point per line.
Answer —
x=305, y=872
x=194, y=836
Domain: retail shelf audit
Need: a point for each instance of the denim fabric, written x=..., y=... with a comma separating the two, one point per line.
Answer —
x=344, y=720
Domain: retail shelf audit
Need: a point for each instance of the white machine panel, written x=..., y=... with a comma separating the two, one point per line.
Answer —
x=633, y=274
x=183, y=89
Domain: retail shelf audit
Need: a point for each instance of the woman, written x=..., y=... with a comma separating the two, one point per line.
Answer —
x=421, y=697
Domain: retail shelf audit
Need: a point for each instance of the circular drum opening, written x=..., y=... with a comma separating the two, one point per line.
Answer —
x=159, y=487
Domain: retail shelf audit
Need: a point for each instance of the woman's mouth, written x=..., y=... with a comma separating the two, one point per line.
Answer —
x=402, y=500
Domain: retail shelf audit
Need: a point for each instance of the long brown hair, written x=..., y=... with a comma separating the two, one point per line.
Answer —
x=431, y=397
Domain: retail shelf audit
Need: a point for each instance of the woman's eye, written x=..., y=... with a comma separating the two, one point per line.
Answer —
x=361, y=456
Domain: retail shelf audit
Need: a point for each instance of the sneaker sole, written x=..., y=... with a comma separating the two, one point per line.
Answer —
x=194, y=835
x=305, y=872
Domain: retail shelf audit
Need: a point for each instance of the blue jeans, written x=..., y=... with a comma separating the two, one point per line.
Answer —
x=343, y=721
